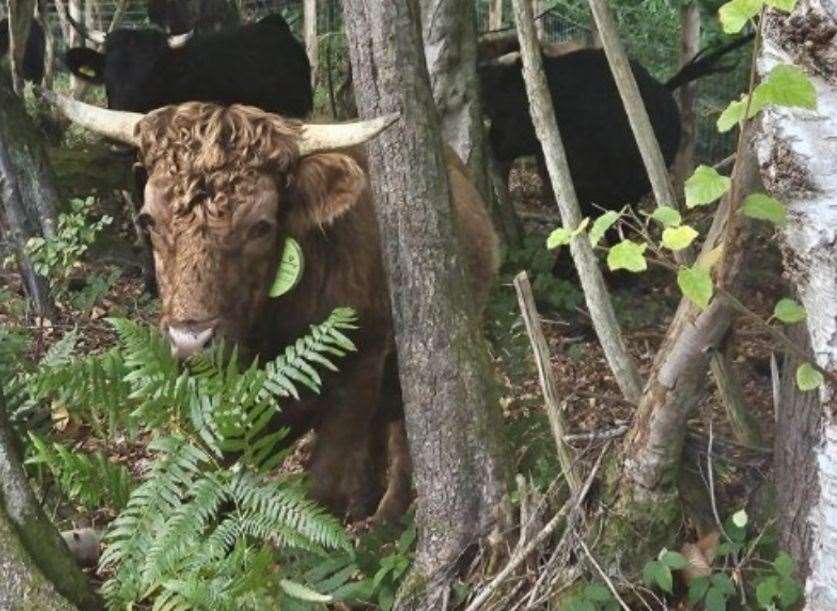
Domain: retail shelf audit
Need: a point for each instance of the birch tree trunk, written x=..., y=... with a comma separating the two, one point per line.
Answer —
x=28, y=197
x=686, y=96
x=450, y=49
x=312, y=43
x=453, y=422
x=797, y=150
x=20, y=21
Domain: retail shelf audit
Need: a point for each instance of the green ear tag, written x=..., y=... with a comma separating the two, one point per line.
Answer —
x=289, y=272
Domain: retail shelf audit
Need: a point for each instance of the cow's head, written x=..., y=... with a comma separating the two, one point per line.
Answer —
x=130, y=58
x=226, y=186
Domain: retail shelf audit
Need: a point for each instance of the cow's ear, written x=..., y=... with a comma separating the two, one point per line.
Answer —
x=324, y=187
x=86, y=64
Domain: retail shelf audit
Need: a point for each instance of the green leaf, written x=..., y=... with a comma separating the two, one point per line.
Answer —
x=601, y=225
x=808, y=378
x=732, y=115
x=696, y=284
x=697, y=589
x=789, y=592
x=788, y=311
x=655, y=572
x=715, y=600
x=597, y=592
x=705, y=186
x=782, y=5
x=559, y=237
x=678, y=238
x=722, y=582
x=766, y=591
x=783, y=565
x=764, y=207
x=627, y=255
x=786, y=85
x=739, y=518
x=667, y=216
x=301, y=592
x=734, y=15
x=674, y=560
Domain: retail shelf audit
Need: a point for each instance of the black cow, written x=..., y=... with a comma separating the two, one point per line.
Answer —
x=604, y=160
x=260, y=64
x=33, y=58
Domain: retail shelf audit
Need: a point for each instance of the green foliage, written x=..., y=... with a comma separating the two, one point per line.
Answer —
x=658, y=573
x=788, y=311
x=764, y=207
x=591, y=597
x=678, y=238
x=696, y=284
x=667, y=216
x=601, y=225
x=89, y=479
x=808, y=378
x=705, y=186
x=627, y=255
x=55, y=258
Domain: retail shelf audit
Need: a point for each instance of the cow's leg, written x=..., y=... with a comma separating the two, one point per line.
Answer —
x=340, y=471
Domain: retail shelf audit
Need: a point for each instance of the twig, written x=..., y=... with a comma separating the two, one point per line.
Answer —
x=598, y=435
x=520, y=554
x=603, y=575
x=541, y=351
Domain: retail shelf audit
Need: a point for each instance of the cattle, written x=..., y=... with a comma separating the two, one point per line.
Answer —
x=226, y=186
x=260, y=64
x=33, y=57
x=180, y=17
x=605, y=163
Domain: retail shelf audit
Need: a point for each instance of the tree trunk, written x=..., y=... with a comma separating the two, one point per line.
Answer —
x=75, y=9
x=450, y=49
x=453, y=422
x=49, y=46
x=796, y=151
x=31, y=549
x=312, y=42
x=495, y=15
x=20, y=21
x=26, y=190
x=686, y=96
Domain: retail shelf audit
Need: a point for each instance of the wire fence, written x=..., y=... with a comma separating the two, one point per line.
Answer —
x=556, y=26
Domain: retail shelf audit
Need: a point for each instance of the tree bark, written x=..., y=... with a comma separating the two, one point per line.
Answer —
x=312, y=42
x=495, y=14
x=49, y=45
x=686, y=96
x=796, y=151
x=595, y=292
x=453, y=421
x=37, y=555
x=26, y=190
x=20, y=21
x=450, y=50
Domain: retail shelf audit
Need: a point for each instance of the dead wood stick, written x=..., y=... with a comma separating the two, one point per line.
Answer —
x=521, y=553
x=595, y=292
x=550, y=393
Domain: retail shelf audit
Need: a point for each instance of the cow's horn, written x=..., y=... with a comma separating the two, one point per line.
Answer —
x=177, y=41
x=115, y=124
x=326, y=137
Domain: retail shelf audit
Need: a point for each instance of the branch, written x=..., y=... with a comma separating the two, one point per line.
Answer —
x=595, y=292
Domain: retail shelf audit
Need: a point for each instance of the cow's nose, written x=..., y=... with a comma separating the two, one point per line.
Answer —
x=189, y=339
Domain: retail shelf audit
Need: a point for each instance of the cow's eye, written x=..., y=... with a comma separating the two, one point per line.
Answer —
x=261, y=229
x=145, y=221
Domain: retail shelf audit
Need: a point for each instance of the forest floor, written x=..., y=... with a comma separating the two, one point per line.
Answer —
x=108, y=285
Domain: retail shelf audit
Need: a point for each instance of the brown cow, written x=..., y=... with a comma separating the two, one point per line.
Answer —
x=226, y=186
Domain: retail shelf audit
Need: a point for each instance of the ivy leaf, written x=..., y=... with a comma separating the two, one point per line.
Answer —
x=705, y=186
x=783, y=565
x=734, y=15
x=696, y=284
x=786, y=85
x=764, y=207
x=667, y=216
x=559, y=237
x=601, y=225
x=739, y=518
x=674, y=560
x=808, y=378
x=788, y=311
x=627, y=255
x=678, y=238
